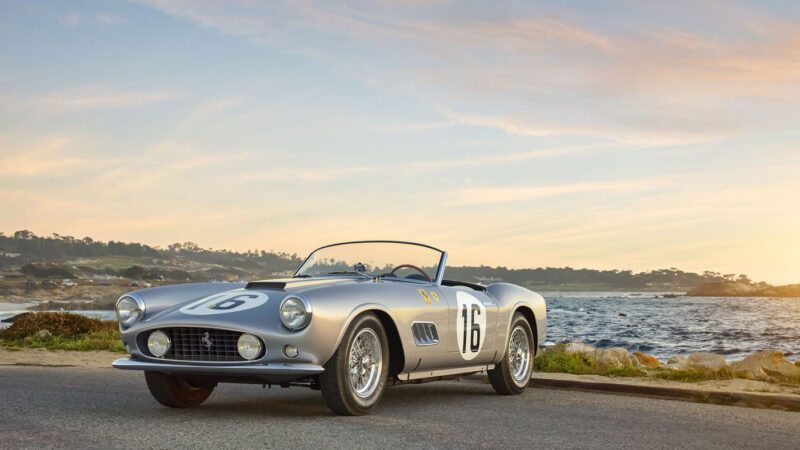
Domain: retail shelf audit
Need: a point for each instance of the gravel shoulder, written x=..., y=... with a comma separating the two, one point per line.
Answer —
x=41, y=357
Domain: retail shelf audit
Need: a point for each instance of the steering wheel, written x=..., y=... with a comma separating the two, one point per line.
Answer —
x=411, y=266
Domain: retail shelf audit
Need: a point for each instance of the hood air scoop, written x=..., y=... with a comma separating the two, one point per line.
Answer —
x=289, y=283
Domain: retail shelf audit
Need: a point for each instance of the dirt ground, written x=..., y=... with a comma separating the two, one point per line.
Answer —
x=41, y=357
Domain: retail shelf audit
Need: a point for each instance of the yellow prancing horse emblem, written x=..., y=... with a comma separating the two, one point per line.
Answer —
x=427, y=298
x=424, y=296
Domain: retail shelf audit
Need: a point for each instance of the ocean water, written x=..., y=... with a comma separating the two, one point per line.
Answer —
x=731, y=327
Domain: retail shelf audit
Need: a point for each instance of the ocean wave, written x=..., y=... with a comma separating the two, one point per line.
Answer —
x=733, y=327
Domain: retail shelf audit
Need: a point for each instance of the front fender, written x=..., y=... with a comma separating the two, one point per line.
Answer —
x=354, y=313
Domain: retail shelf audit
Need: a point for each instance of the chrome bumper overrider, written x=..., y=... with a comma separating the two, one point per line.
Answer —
x=222, y=370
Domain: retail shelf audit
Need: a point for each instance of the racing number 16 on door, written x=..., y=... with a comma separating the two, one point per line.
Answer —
x=468, y=313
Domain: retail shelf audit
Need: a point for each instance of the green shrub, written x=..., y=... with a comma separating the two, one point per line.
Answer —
x=46, y=270
x=96, y=340
x=66, y=332
x=557, y=360
x=58, y=324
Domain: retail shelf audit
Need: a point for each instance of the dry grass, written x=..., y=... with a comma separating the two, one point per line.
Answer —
x=693, y=376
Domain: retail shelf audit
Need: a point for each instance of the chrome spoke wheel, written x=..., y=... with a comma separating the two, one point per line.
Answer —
x=519, y=355
x=365, y=363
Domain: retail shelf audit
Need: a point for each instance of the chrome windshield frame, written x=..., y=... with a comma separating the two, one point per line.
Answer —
x=439, y=270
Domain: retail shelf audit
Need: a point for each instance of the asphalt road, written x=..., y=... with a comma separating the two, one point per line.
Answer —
x=87, y=408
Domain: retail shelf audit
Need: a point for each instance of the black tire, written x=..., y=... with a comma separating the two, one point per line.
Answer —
x=501, y=376
x=337, y=390
x=175, y=392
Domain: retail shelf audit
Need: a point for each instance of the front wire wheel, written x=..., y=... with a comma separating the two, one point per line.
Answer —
x=176, y=392
x=512, y=375
x=355, y=376
x=366, y=362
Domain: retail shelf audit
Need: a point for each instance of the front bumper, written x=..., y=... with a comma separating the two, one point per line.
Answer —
x=250, y=370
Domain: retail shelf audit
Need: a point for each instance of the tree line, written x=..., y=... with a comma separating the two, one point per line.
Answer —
x=24, y=248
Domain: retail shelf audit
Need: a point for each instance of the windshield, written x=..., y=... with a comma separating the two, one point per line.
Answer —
x=399, y=260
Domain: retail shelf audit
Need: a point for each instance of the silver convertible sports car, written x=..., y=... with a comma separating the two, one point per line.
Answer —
x=355, y=318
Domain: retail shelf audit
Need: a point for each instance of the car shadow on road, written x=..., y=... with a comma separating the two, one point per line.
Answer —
x=299, y=402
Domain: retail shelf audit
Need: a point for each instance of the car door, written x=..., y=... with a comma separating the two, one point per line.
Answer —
x=425, y=317
x=472, y=326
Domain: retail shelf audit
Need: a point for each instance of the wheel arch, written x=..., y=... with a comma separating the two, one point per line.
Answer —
x=529, y=315
x=396, y=353
x=396, y=349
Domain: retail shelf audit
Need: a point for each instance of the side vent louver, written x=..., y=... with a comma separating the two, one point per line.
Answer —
x=425, y=333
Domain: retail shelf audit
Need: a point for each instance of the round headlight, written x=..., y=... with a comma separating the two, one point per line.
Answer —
x=249, y=346
x=129, y=310
x=158, y=343
x=295, y=313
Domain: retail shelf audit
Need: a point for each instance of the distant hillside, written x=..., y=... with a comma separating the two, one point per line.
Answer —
x=66, y=256
x=739, y=289
x=25, y=255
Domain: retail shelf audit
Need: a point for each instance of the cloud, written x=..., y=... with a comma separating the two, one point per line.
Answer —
x=42, y=156
x=642, y=131
x=502, y=158
x=91, y=98
x=495, y=195
x=70, y=20
x=651, y=80
x=330, y=174
x=74, y=20
x=307, y=175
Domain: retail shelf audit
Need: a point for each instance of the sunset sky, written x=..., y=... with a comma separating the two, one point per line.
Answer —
x=619, y=135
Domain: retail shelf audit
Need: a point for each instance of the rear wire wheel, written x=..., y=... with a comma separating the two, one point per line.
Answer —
x=512, y=375
x=355, y=376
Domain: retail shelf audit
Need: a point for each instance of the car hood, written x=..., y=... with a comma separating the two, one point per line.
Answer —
x=243, y=304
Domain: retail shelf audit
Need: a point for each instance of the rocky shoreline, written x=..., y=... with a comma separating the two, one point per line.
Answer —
x=740, y=289
x=769, y=365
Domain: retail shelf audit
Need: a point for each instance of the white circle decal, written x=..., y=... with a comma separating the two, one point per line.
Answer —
x=226, y=302
x=470, y=325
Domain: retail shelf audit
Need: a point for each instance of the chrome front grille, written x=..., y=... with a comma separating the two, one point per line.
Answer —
x=201, y=344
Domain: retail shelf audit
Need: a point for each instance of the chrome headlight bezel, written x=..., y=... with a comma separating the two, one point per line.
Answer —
x=293, y=301
x=135, y=315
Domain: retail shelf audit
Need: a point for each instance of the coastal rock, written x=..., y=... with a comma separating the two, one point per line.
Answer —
x=704, y=362
x=609, y=357
x=43, y=334
x=579, y=347
x=613, y=357
x=765, y=364
x=646, y=360
x=677, y=362
x=708, y=362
